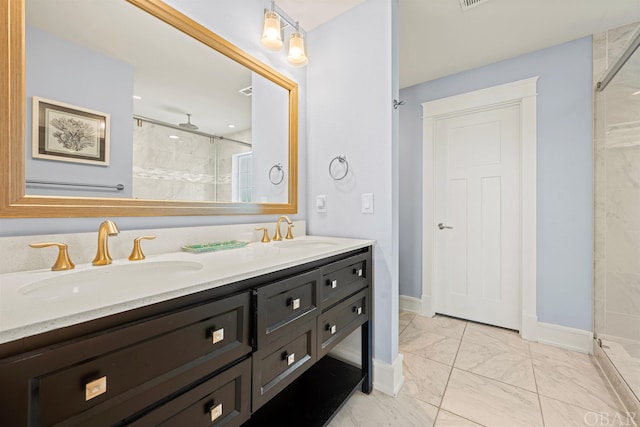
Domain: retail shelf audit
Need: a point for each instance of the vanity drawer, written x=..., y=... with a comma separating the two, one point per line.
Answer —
x=224, y=400
x=278, y=365
x=341, y=320
x=281, y=304
x=218, y=331
x=343, y=278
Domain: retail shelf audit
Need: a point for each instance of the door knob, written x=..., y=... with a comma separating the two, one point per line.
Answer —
x=441, y=226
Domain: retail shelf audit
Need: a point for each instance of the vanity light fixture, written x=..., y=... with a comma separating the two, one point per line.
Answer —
x=275, y=21
x=272, y=33
x=296, y=54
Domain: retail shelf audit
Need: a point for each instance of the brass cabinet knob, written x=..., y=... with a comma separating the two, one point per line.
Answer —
x=265, y=234
x=217, y=335
x=95, y=388
x=290, y=358
x=215, y=411
x=294, y=303
x=63, y=262
x=136, y=253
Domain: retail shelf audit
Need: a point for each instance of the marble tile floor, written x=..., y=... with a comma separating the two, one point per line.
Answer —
x=465, y=374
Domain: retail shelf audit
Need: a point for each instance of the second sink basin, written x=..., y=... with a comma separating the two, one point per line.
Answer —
x=101, y=278
x=305, y=243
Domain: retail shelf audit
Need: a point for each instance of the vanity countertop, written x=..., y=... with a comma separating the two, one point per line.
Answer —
x=24, y=313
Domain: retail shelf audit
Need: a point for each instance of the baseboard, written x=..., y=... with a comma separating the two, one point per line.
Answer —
x=411, y=304
x=565, y=337
x=388, y=378
x=347, y=353
x=529, y=328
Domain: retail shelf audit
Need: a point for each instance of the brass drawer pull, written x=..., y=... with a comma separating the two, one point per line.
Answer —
x=294, y=303
x=333, y=283
x=217, y=335
x=357, y=310
x=358, y=272
x=332, y=329
x=215, y=411
x=95, y=388
x=290, y=358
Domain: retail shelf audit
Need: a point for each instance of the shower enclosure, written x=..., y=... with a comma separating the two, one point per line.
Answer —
x=617, y=208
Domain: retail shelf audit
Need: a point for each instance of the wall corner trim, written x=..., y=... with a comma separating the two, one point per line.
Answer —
x=388, y=378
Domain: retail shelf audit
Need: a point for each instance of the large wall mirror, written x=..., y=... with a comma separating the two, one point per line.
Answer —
x=129, y=108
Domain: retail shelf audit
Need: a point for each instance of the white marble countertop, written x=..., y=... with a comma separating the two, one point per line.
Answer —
x=55, y=302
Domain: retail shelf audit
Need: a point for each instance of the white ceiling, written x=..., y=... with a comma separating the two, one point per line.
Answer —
x=437, y=38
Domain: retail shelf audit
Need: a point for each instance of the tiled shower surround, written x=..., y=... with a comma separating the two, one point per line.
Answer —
x=617, y=205
x=190, y=167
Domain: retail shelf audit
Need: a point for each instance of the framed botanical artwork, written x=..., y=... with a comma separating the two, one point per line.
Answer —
x=68, y=133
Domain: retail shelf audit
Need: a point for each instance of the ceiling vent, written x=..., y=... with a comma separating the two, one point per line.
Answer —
x=468, y=4
x=247, y=91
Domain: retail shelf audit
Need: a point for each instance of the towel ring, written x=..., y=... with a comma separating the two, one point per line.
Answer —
x=279, y=167
x=342, y=159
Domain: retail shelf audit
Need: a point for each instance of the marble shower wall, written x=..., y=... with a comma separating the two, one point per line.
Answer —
x=189, y=167
x=617, y=189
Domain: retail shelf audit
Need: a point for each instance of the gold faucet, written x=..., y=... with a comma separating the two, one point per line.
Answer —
x=278, y=236
x=136, y=252
x=107, y=228
x=63, y=262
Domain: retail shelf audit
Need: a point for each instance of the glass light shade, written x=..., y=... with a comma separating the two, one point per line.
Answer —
x=271, y=37
x=296, y=54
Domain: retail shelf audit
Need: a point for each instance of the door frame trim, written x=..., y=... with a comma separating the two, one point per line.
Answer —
x=524, y=94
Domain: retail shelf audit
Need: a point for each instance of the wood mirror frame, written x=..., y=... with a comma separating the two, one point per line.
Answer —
x=14, y=203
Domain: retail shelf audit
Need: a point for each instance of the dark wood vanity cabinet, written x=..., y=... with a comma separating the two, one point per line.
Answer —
x=213, y=358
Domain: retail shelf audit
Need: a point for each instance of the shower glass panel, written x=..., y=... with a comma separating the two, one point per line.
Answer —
x=617, y=220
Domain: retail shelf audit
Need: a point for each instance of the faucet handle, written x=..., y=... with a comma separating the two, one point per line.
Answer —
x=136, y=253
x=289, y=232
x=63, y=262
x=265, y=234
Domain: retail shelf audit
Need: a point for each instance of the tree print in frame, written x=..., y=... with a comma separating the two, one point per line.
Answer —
x=69, y=133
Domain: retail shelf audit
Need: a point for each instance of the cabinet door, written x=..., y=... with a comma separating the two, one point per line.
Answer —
x=279, y=364
x=281, y=305
x=343, y=278
x=98, y=377
x=341, y=320
x=224, y=400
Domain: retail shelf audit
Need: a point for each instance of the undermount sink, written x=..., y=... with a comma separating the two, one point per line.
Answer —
x=305, y=243
x=101, y=278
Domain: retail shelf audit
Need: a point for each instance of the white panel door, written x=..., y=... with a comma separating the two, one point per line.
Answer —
x=477, y=216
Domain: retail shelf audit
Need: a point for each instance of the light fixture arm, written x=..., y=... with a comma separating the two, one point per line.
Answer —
x=286, y=19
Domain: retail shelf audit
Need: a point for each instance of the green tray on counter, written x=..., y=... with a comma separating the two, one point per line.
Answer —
x=217, y=246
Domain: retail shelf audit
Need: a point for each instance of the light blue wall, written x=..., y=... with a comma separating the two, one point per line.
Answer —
x=67, y=72
x=350, y=113
x=240, y=22
x=564, y=239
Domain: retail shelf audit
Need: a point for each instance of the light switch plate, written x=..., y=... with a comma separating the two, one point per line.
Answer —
x=321, y=203
x=367, y=202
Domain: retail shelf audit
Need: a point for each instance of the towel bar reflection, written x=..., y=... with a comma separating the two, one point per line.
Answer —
x=276, y=181
x=118, y=187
